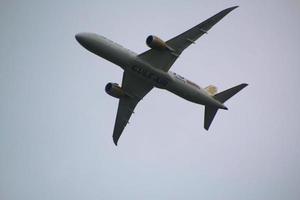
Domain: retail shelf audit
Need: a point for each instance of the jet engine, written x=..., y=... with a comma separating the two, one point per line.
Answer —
x=155, y=42
x=114, y=90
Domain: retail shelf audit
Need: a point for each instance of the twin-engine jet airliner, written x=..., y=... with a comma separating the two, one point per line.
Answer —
x=151, y=69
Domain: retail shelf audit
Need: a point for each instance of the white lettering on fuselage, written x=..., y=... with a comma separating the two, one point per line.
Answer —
x=184, y=80
x=160, y=81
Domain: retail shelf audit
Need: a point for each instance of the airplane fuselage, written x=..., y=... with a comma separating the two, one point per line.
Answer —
x=143, y=72
x=130, y=62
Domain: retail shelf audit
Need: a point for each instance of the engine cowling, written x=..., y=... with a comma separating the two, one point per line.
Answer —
x=114, y=90
x=155, y=42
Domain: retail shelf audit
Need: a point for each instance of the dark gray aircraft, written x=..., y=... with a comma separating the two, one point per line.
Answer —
x=151, y=69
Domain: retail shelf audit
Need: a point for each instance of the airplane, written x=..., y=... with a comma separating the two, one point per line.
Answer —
x=143, y=72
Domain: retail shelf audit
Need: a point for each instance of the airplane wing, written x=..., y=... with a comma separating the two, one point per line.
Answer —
x=136, y=89
x=164, y=59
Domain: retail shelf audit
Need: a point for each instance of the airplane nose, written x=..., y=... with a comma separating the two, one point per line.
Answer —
x=85, y=39
x=90, y=41
x=80, y=37
x=77, y=36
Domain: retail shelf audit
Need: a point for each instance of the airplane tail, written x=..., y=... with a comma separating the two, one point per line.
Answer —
x=211, y=111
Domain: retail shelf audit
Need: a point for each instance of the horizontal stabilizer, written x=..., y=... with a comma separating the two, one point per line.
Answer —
x=225, y=95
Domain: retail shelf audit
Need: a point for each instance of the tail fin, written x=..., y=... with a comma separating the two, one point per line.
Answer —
x=209, y=116
x=211, y=89
x=210, y=111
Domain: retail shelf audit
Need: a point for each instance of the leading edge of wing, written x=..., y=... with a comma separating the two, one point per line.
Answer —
x=185, y=39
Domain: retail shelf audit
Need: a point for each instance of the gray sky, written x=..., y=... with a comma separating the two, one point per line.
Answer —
x=56, y=121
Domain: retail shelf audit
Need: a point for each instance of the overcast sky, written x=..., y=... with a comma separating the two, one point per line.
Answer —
x=56, y=120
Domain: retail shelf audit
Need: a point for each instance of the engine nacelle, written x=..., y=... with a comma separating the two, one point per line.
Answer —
x=114, y=90
x=155, y=42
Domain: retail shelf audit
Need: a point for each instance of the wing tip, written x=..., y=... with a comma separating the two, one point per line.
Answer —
x=233, y=7
x=115, y=141
x=244, y=84
x=228, y=10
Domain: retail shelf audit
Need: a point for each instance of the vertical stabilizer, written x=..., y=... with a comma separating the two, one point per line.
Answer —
x=209, y=115
x=211, y=89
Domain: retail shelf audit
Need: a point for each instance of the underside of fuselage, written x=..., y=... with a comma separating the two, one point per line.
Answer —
x=128, y=60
